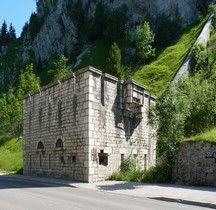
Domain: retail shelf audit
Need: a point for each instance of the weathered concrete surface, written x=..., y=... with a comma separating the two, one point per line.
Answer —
x=196, y=164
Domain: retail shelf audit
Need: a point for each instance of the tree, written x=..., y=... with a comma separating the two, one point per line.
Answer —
x=59, y=70
x=100, y=21
x=28, y=81
x=185, y=109
x=144, y=40
x=4, y=116
x=114, y=61
x=12, y=33
x=14, y=108
x=115, y=28
x=3, y=34
x=199, y=58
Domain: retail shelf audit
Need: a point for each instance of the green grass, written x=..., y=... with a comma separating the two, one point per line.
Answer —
x=160, y=72
x=10, y=154
x=208, y=136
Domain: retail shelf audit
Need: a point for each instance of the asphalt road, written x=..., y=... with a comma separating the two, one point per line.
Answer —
x=18, y=194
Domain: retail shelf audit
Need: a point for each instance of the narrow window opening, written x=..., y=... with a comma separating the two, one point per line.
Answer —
x=59, y=144
x=40, y=145
x=122, y=158
x=62, y=160
x=73, y=159
x=145, y=162
x=49, y=161
x=40, y=160
x=30, y=161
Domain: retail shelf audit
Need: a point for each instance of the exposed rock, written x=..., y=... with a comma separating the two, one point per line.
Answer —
x=58, y=32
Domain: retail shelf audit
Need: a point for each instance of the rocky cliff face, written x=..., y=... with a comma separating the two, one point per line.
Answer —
x=58, y=32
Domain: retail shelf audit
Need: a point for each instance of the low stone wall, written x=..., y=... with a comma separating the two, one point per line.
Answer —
x=196, y=164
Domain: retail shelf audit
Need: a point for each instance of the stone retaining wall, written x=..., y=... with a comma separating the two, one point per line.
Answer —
x=196, y=164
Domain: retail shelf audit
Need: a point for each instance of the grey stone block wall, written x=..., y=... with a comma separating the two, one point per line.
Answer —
x=82, y=127
x=196, y=164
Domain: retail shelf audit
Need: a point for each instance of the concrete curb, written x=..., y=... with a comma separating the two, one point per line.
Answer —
x=187, y=202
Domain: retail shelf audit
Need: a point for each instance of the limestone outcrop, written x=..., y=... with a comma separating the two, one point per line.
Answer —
x=58, y=32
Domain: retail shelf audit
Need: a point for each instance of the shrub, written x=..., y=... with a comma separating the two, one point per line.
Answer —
x=128, y=164
x=161, y=173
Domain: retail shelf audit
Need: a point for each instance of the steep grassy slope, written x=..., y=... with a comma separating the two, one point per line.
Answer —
x=10, y=154
x=208, y=136
x=159, y=73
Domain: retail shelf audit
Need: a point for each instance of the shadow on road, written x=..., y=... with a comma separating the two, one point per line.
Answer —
x=135, y=185
x=11, y=181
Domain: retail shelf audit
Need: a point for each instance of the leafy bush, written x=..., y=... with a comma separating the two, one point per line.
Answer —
x=10, y=154
x=161, y=173
x=128, y=164
x=199, y=57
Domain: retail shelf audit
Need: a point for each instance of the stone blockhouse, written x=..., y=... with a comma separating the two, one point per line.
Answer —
x=83, y=126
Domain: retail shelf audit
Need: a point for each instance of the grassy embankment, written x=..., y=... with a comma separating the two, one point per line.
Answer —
x=160, y=72
x=10, y=154
x=208, y=136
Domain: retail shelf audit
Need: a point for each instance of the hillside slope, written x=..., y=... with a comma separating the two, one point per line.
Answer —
x=57, y=30
x=159, y=73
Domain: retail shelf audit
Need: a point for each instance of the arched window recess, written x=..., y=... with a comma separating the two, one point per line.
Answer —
x=40, y=147
x=59, y=144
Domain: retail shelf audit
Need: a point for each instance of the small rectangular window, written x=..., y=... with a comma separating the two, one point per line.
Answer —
x=103, y=158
